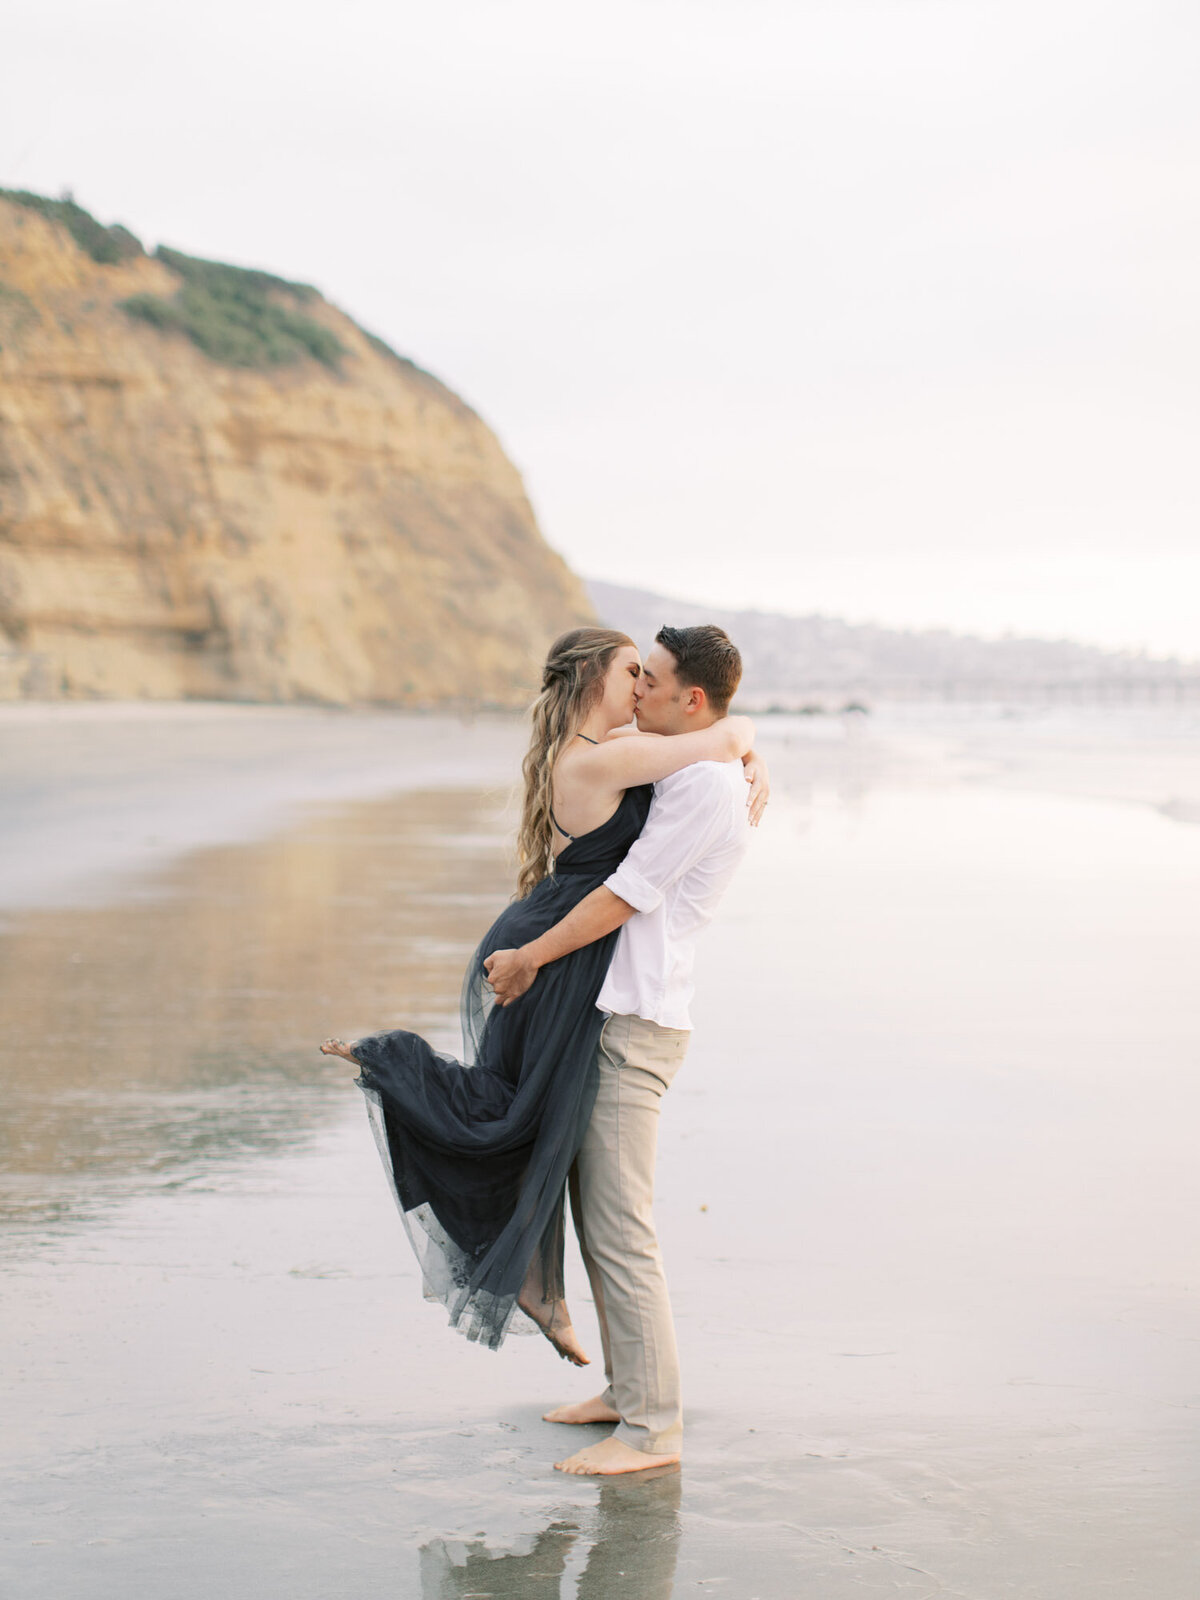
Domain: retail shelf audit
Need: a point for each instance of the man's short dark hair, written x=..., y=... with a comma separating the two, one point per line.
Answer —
x=705, y=658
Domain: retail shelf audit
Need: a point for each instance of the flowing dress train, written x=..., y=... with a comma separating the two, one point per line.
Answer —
x=478, y=1150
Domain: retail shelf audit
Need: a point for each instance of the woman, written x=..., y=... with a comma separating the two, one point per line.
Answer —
x=479, y=1151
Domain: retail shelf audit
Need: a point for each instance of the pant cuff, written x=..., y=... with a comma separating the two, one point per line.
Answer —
x=668, y=1443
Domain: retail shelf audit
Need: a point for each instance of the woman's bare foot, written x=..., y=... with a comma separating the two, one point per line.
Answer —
x=557, y=1327
x=338, y=1047
x=608, y=1458
x=596, y=1409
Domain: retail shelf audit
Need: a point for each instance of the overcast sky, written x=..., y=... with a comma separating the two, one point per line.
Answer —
x=883, y=308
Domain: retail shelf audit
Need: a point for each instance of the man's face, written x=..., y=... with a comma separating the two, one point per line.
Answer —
x=659, y=696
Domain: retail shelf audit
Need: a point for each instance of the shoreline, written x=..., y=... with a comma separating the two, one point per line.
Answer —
x=95, y=795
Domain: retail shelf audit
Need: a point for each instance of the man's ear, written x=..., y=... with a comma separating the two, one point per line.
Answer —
x=694, y=700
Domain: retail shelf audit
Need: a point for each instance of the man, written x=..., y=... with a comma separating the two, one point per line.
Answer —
x=661, y=896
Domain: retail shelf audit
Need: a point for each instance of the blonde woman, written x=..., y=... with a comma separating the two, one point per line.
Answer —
x=478, y=1151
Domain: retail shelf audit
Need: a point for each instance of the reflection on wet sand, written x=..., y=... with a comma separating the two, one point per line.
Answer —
x=179, y=1028
x=632, y=1549
x=637, y=1538
x=450, y=1571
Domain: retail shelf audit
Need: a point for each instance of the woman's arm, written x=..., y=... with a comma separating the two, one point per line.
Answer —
x=757, y=775
x=646, y=757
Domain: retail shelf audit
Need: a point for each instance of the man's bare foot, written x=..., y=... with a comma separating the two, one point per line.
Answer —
x=596, y=1409
x=610, y=1457
x=557, y=1328
x=337, y=1047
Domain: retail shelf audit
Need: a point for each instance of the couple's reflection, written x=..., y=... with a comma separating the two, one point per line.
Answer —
x=634, y=1543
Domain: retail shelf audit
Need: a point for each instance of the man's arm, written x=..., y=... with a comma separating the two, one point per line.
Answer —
x=511, y=972
x=682, y=824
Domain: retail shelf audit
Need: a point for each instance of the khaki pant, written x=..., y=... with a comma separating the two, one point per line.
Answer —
x=612, y=1200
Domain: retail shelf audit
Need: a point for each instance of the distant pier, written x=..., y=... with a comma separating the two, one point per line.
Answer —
x=831, y=697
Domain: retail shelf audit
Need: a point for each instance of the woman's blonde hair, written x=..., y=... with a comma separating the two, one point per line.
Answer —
x=572, y=682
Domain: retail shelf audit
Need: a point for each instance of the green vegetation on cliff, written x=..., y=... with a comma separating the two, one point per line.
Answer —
x=238, y=316
x=235, y=314
x=108, y=246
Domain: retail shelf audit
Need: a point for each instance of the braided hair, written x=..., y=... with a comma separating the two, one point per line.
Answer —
x=572, y=682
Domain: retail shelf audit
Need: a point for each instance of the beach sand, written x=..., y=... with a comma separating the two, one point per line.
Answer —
x=927, y=1184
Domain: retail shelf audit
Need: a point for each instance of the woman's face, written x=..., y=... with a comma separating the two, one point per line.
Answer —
x=619, y=699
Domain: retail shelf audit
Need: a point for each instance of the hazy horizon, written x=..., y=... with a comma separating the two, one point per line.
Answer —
x=722, y=606
x=877, y=311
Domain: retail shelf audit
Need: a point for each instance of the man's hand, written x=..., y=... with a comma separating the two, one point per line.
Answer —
x=759, y=779
x=510, y=973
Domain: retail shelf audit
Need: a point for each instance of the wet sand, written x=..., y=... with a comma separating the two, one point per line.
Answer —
x=927, y=1192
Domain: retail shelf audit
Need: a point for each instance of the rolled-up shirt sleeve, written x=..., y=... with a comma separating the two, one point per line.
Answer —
x=684, y=822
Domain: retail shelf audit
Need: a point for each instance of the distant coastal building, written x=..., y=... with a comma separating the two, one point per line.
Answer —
x=822, y=663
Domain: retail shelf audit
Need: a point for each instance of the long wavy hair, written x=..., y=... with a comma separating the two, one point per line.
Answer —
x=572, y=682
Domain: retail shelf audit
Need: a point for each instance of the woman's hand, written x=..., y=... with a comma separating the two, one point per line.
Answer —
x=759, y=780
x=509, y=974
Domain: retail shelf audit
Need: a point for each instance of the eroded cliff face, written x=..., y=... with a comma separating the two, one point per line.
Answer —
x=173, y=527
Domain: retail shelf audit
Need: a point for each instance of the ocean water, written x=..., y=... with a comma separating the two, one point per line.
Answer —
x=927, y=1193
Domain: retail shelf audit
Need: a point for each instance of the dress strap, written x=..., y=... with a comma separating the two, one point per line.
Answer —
x=584, y=736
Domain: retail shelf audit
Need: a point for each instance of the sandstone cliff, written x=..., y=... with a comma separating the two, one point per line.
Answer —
x=214, y=484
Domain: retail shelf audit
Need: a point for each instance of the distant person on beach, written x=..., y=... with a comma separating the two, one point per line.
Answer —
x=566, y=1053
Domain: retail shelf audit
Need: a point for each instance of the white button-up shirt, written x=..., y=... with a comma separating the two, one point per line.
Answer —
x=675, y=873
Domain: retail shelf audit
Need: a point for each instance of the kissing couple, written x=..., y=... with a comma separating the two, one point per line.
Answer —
x=639, y=792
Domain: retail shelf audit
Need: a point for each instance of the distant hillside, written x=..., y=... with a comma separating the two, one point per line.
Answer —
x=214, y=484
x=790, y=660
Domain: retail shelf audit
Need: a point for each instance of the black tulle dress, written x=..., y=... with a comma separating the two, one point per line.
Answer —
x=478, y=1150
